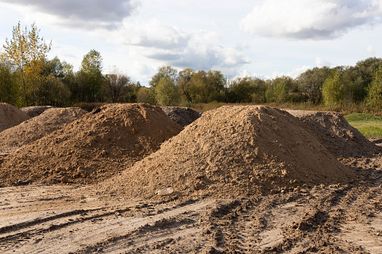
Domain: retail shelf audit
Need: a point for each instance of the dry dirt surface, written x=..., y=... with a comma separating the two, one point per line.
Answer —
x=34, y=111
x=92, y=148
x=341, y=218
x=10, y=116
x=237, y=180
x=182, y=116
x=336, y=134
x=231, y=151
x=37, y=127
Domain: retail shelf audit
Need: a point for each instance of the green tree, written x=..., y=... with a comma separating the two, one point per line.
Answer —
x=119, y=88
x=8, y=87
x=333, y=91
x=166, y=92
x=374, y=99
x=25, y=48
x=146, y=95
x=282, y=89
x=184, y=85
x=311, y=82
x=204, y=87
x=245, y=90
x=89, y=80
x=164, y=72
x=52, y=91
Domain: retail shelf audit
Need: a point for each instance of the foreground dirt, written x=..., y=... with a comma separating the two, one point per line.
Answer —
x=322, y=219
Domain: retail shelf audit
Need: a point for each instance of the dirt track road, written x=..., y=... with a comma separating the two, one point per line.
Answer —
x=347, y=219
x=326, y=219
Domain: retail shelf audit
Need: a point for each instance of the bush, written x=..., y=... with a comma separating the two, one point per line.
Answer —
x=146, y=95
x=374, y=99
x=166, y=93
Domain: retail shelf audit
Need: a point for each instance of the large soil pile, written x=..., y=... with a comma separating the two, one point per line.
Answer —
x=37, y=127
x=336, y=134
x=232, y=151
x=10, y=116
x=94, y=147
x=182, y=116
x=34, y=111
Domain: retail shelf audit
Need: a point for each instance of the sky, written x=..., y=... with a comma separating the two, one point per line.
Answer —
x=261, y=38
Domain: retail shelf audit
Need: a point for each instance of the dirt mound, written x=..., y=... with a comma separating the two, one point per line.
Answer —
x=231, y=151
x=94, y=147
x=37, y=127
x=336, y=134
x=34, y=111
x=10, y=116
x=182, y=116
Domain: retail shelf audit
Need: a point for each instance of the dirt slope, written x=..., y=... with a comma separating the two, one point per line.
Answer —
x=321, y=219
x=182, y=116
x=336, y=134
x=37, y=127
x=34, y=111
x=10, y=116
x=231, y=151
x=94, y=147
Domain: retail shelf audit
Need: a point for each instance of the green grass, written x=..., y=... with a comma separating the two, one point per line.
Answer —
x=369, y=125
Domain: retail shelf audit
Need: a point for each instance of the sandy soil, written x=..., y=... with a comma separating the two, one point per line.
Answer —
x=322, y=219
x=204, y=192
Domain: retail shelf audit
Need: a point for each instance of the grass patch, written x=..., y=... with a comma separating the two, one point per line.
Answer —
x=368, y=124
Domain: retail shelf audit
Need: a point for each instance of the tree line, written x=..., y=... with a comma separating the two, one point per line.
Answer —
x=28, y=77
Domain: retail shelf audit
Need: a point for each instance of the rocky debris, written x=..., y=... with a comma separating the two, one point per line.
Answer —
x=182, y=116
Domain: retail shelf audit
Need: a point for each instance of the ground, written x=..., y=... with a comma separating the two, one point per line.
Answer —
x=318, y=219
x=369, y=125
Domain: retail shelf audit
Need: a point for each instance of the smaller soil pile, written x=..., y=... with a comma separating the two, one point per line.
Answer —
x=34, y=111
x=182, y=116
x=94, y=147
x=229, y=152
x=37, y=127
x=10, y=116
x=336, y=134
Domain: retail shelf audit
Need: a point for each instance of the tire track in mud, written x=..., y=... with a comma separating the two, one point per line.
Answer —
x=256, y=225
x=298, y=222
x=170, y=225
x=82, y=233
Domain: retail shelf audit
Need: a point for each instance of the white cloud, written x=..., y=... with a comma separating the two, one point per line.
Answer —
x=169, y=45
x=322, y=63
x=81, y=13
x=310, y=19
x=371, y=50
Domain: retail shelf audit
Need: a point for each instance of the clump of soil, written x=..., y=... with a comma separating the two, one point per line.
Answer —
x=233, y=151
x=336, y=134
x=94, y=147
x=37, y=127
x=34, y=111
x=182, y=116
x=10, y=116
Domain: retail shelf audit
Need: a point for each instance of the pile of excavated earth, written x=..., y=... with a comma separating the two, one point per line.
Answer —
x=92, y=148
x=336, y=134
x=182, y=116
x=239, y=179
x=37, y=127
x=34, y=111
x=233, y=151
x=10, y=116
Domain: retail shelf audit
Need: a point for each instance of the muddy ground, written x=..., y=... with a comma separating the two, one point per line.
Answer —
x=319, y=219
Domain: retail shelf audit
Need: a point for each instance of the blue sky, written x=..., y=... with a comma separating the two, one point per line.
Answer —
x=261, y=38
